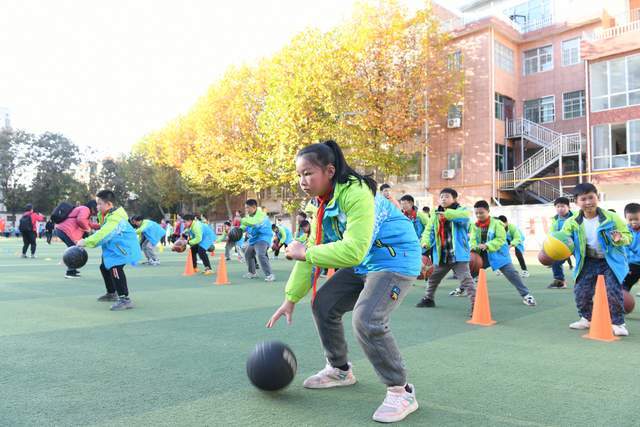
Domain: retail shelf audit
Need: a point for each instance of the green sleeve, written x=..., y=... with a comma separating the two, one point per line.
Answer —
x=256, y=219
x=359, y=207
x=473, y=236
x=569, y=227
x=450, y=214
x=109, y=225
x=196, y=228
x=282, y=235
x=498, y=240
x=622, y=228
x=554, y=223
x=516, y=237
x=425, y=239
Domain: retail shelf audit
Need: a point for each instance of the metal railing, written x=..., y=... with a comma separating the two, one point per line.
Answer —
x=625, y=23
x=544, y=189
x=532, y=131
x=469, y=18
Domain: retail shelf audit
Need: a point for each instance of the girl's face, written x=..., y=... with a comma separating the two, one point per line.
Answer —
x=314, y=180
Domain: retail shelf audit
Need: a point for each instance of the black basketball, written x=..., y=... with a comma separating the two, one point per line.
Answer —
x=271, y=366
x=75, y=257
x=235, y=234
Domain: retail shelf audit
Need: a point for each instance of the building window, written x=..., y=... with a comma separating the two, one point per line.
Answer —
x=504, y=158
x=616, y=145
x=615, y=83
x=531, y=14
x=541, y=110
x=455, y=112
x=503, y=57
x=454, y=61
x=454, y=161
x=571, y=52
x=538, y=60
x=503, y=107
x=573, y=105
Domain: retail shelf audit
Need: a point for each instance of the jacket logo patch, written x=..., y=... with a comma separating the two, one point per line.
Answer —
x=395, y=292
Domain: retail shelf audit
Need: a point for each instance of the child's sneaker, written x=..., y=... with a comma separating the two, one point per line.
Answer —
x=155, y=262
x=457, y=292
x=122, y=304
x=498, y=273
x=196, y=270
x=397, y=404
x=426, y=302
x=620, y=330
x=270, y=278
x=250, y=275
x=524, y=273
x=33, y=256
x=108, y=297
x=529, y=300
x=580, y=324
x=330, y=377
x=23, y=256
x=207, y=272
x=557, y=284
x=71, y=276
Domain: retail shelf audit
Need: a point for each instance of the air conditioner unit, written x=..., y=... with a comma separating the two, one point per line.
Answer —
x=453, y=123
x=448, y=173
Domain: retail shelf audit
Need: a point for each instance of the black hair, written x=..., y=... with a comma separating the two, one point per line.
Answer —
x=329, y=152
x=584, y=188
x=632, y=208
x=227, y=223
x=107, y=196
x=302, y=214
x=426, y=209
x=562, y=201
x=274, y=226
x=407, y=198
x=188, y=217
x=29, y=207
x=503, y=219
x=251, y=202
x=481, y=204
x=612, y=210
x=92, y=205
x=137, y=218
x=384, y=187
x=304, y=223
x=451, y=191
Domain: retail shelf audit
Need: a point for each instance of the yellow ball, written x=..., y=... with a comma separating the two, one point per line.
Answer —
x=557, y=246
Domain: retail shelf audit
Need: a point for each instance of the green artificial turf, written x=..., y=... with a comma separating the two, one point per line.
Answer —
x=179, y=357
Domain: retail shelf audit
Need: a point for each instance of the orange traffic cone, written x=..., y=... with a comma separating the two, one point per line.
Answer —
x=188, y=267
x=221, y=277
x=601, y=328
x=330, y=272
x=482, y=308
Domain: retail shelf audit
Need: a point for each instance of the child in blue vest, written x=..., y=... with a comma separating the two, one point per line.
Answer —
x=201, y=239
x=488, y=238
x=632, y=214
x=599, y=238
x=257, y=225
x=120, y=247
x=563, y=212
x=150, y=234
x=282, y=236
x=515, y=240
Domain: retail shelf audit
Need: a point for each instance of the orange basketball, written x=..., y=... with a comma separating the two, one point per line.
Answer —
x=179, y=246
x=629, y=302
x=475, y=263
x=544, y=259
x=427, y=268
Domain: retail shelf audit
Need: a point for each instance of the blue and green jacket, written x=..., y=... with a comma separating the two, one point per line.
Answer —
x=558, y=221
x=515, y=237
x=497, y=247
x=201, y=234
x=117, y=238
x=614, y=253
x=459, y=219
x=151, y=230
x=360, y=231
x=258, y=227
x=284, y=235
x=633, y=250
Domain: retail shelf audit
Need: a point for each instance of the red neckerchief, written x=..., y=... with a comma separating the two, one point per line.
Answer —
x=441, y=231
x=484, y=224
x=322, y=201
x=412, y=214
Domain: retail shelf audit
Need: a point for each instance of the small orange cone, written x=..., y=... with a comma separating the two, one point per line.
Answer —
x=330, y=272
x=188, y=267
x=482, y=308
x=221, y=277
x=601, y=328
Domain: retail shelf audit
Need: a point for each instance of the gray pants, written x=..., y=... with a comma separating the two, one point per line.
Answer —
x=229, y=246
x=513, y=277
x=149, y=250
x=372, y=298
x=461, y=271
x=259, y=250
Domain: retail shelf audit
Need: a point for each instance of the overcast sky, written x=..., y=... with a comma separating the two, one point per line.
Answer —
x=104, y=73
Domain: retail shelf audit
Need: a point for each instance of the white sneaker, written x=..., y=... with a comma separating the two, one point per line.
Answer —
x=580, y=324
x=396, y=405
x=638, y=294
x=498, y=273
x=457, y=292
x=524, y=273
x=270, y=278
x=330, y=377
x=620, y=330
x=250, y=275
x=529, y=300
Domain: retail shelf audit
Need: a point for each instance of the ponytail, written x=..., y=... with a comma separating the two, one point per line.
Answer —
x=329, y=152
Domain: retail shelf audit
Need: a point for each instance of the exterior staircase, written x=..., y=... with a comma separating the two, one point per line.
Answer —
x=526, y=177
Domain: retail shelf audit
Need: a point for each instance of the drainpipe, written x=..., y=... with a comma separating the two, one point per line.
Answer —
x=492, y=121
x=587, y=102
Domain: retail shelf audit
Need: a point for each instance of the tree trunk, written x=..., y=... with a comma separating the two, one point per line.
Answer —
x=162, y=211
x=227, y=205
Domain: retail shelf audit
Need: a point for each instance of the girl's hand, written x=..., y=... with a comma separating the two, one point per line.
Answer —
x=297, y=251
x=616, y=236
x=482, y=246
x=80, y=243
x=285, y=309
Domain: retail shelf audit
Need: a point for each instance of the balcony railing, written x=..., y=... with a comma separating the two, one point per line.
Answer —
x=624, y=24
x=468, y=18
